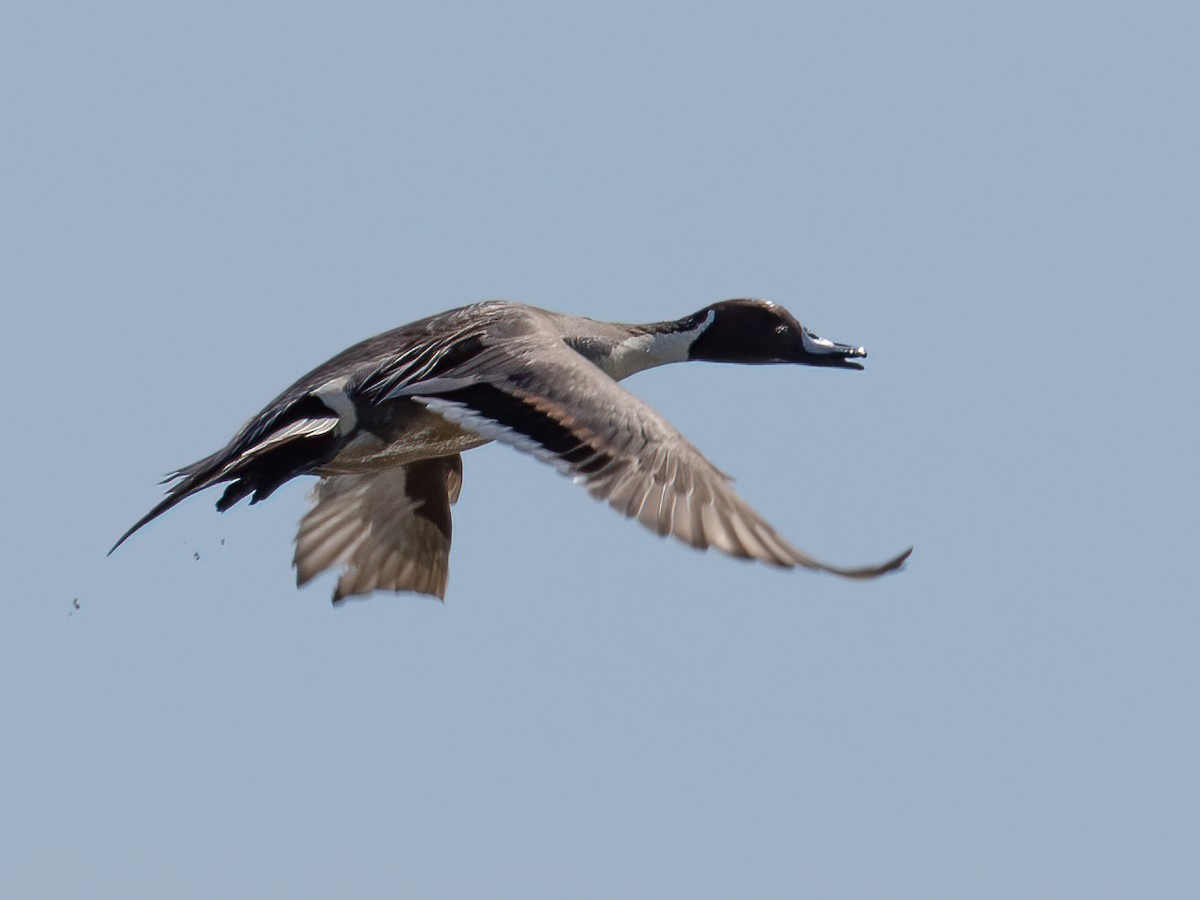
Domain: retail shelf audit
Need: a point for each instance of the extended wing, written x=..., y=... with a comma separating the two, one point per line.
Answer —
x=569, y=413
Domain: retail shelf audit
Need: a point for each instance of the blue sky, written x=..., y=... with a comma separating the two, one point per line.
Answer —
x=998, y=200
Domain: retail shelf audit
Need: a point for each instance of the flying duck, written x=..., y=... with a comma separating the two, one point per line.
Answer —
x=384, y=423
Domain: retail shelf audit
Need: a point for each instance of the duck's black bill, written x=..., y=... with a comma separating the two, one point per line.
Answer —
x=819, y=352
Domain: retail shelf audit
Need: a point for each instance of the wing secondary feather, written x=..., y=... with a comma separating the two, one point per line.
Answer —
x=570, y=414
x=390, y=529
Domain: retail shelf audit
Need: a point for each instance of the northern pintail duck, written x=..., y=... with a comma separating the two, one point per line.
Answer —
x=383, y=425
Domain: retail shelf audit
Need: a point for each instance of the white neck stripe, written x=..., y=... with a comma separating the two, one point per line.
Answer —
x=645, y=351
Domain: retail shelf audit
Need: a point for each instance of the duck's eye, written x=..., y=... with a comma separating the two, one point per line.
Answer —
x=781, y=329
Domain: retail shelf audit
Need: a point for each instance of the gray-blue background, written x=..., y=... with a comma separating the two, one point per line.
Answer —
x=201, y=201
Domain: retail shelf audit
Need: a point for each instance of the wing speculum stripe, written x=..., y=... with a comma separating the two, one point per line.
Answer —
x=524, y=418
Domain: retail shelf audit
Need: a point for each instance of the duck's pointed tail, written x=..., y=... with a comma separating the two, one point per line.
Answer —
x=193, y=480
x=256, y=462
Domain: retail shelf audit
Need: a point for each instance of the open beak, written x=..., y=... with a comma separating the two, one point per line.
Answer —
x=820, y=352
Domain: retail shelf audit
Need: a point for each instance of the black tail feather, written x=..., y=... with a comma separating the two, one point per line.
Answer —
x=234, y=494
x=259, y=475
x=181, y=491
